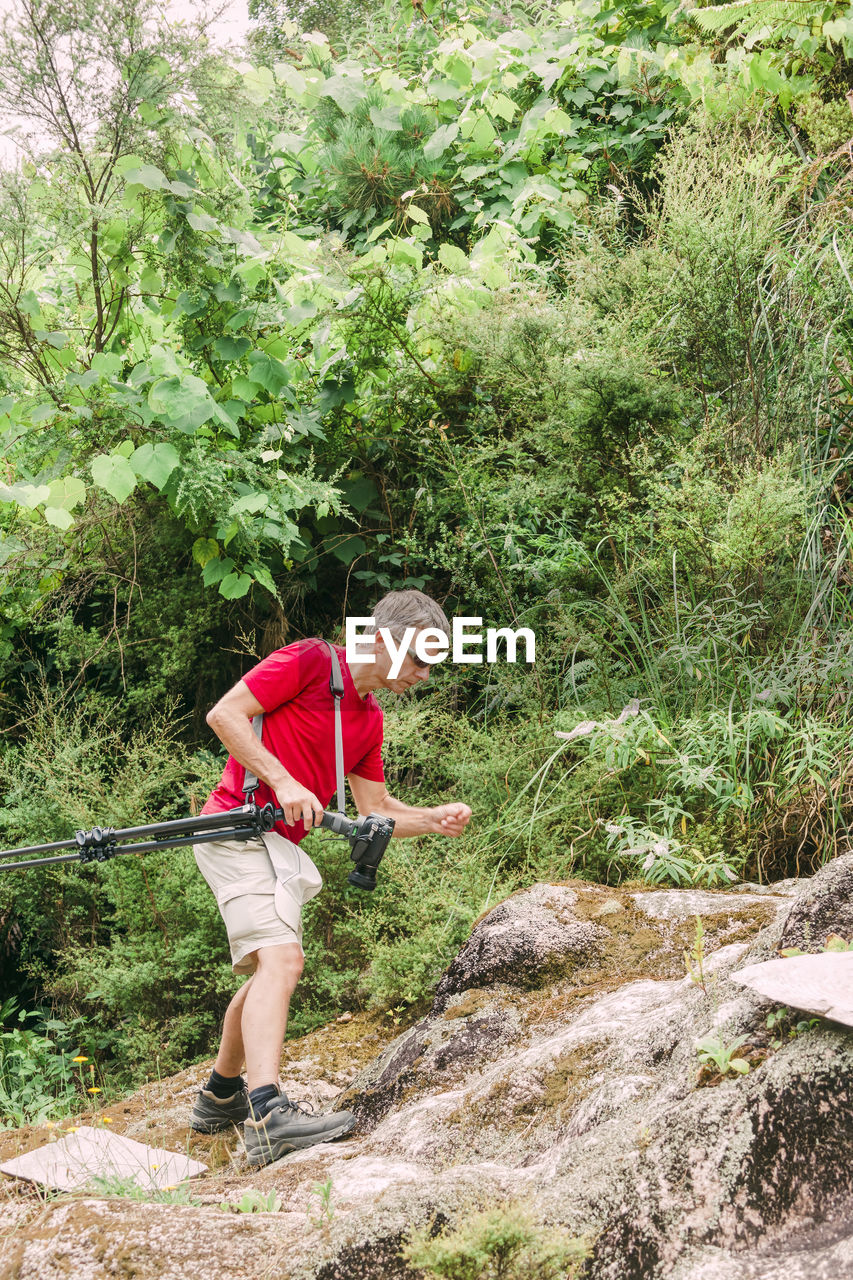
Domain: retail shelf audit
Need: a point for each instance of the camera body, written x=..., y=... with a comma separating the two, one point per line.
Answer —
x=368, y=838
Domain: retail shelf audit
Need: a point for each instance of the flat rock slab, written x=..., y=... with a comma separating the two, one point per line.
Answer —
x=681, y=904
x=88, y=1153
x=821, y=984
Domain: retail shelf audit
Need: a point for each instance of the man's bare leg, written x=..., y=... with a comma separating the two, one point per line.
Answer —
x=230, y=1059
x=256, y=1019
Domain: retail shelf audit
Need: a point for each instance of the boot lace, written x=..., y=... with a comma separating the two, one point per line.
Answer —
x=301, y=1108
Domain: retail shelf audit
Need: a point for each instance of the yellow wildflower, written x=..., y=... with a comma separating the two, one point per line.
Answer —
x=94, y=1089
x=81, y=1057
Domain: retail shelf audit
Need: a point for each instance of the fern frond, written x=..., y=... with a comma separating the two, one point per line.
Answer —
x=748, y=17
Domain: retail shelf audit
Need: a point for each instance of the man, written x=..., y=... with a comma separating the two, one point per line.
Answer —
x=260, y=885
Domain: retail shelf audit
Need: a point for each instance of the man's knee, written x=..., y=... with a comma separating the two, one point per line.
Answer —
x=285, y=962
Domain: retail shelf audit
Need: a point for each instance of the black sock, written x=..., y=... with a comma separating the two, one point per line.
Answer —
x=262, y=1098
x=224, y=1086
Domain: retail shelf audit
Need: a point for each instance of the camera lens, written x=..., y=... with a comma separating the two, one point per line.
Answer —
x=363, y=877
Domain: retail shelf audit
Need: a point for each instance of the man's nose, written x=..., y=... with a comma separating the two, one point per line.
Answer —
x=422, y=672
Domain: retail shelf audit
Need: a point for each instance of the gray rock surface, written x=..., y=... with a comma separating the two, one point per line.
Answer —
x=824, y=906
x=520, y=942
x=575, y=1088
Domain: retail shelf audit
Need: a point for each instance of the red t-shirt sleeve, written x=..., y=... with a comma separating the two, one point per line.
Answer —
x=282, y=675
x=370, y=765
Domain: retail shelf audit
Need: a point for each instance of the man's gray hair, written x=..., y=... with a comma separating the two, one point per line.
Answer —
x=401, y=609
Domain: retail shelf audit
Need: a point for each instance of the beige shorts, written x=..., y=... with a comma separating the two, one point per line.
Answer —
x=259, y=886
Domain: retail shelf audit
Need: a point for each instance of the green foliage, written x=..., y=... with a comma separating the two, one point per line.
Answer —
x=543, y=311
x=714, y=1051
x=39, y=1080
x=128, y=1189
x=828, y=125
x=784, y=1026
x=254, y=1202
x=502, y=1243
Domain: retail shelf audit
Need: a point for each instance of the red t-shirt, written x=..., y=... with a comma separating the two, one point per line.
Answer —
x=292, y=686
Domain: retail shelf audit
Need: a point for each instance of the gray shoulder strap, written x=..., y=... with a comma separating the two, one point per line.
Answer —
x=250, y=781
x=336, y=685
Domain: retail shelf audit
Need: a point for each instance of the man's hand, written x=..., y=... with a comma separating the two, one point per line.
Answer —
x=299, y=804
x=451, y=819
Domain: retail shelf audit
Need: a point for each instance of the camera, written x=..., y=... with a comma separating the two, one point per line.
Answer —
x=368, y=838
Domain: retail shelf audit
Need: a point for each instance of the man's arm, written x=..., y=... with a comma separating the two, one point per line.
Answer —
x=231, y=721
x=409, y=820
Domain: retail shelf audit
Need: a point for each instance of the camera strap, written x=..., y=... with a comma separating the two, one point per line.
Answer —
x=336, y=684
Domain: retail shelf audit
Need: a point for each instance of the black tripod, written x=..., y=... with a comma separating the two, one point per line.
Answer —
x=368, y=838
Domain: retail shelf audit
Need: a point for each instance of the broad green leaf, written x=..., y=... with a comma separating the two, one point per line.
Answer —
x=151, y=281
x=155, y=462
x=191, y=303
x=215, y=569
x=294, y=80
x=250, y=502
x=839, y=29
x=235, y=586
x=504, y=107
x=483, y=134
x=26, y=495
x=202, y=222
x=56, y=340
x=264, y=577
x=459, y=70
x=345, y=91
x=291, y=143
x=301, y=311
x=386, y=118
x=438, y=143
x=267, y=372
x=348, y=548
x=66, y=492
x=58, y=517
x=205, y=549
x=359, y=493
x=380, y=230
x=452, y=257
x=231, y=348
x=417, y=214
x=107, y=364
x=184, y=401
x=259, y=82
x=114, y=474
x=242, y=387
x=227, y=292
x=148, y=176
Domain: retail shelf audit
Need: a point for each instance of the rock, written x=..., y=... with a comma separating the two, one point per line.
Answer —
x=823, y=906
x=433, y=1051
x=520, y=942
x=682, y=904
x=558, y=1069
x=820, y=984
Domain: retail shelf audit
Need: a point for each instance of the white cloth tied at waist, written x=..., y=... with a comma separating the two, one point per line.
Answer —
x=297, y=880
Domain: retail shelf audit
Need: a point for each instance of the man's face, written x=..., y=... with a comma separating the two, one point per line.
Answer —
x=412, y=671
